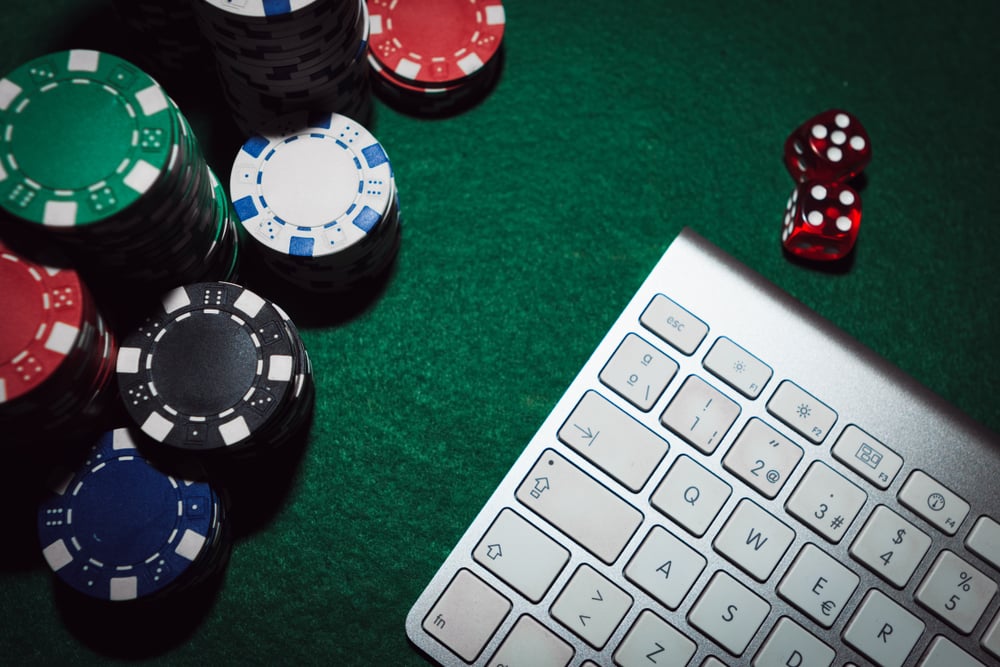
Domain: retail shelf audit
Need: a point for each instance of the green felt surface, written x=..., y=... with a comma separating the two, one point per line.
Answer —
x=528, y=223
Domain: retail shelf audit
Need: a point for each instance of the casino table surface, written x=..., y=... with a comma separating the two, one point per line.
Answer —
x=528, y=222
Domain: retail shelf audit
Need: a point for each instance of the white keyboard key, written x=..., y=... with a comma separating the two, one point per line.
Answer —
x=729, y=613
x=612, y=440
x=762, y=457
x=700, y=414
x=568, y=498
x=691, y=495
x=531, y=644
x=826, y=501
x=867, y=456
x=665, y=567
x=957, y=592
x=802, y=411
x=521, y=555
x=935, y=502
x=466, y=615
x=818, y=585
x=882, y=630
x=984, y=540
x=943, y=653
x=653, y=641
x=991, y=638
x=712, y=661
x=738, y=368
x=789, y=644
x=753, y=540
x=890, y=546
x=638, y=372
x=591, y=606
x=674, y=324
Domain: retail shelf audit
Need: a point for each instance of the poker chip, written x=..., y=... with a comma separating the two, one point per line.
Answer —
x=97, y=159
x=125, y=526
x=163, y=32
x=278, y=57
x=317, y=198
x=216, y=368
x=435, y=57
x=57, y=356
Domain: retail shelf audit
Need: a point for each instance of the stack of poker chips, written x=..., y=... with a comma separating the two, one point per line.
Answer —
x=317, y=197
x=164, y=31
x=435, y=57
x=216, y=369
x=57, y=357
x=277, y=57
x=125, y=526
x=98, y=160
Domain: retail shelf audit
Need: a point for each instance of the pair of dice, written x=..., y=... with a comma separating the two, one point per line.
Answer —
x=823, y=214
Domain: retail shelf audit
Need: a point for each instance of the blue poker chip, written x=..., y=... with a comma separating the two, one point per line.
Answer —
x=120, y=528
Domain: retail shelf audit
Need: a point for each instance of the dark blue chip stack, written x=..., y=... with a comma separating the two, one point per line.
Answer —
x=122, y=527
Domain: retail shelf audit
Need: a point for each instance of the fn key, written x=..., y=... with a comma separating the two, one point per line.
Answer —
x=466, y=615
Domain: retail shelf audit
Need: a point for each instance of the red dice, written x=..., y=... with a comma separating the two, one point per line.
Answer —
x=821, y=220
x=832, y=146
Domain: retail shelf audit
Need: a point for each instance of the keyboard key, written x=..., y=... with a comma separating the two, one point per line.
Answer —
x=521, y=555
x=991, y=638
x=653, y=641
x=762, y=457
x=890, y=546
x=591, y=606
x=612, y=440
x=802, y=411
x=753, y=540
x=791, y=644
x=738, y=368
x=665, y=567
x=712, y=661
x=729, y=613
x=818, y=585
x=700, y=414
x=826, y=501
x=984, y=540
x=867, y=456
x=569, y=499
x=531, y=644
x=956, y=592
x=638, y=372
x=466, y=615
x=691, y=495
x=943, y=653
x=674, y=324
x=933, y=501
x=882, y=630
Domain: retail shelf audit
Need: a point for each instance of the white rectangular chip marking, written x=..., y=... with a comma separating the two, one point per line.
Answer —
x=280, y=368
x=3, y=172
x=190, y=545
x=142, y=176
x=3, y=390
x=124, y=588
x=408, y=68
x=495, y=15
x=128, y=360
x=175, y=299
x=249, y=303
x=375, y=24
x=470, y=63
x=83, y=60
x=152, y=100
x=59, y=213
x=8, y=93
x=57, y=555
x=157, y=427
x=121, y=438
x=234, y=431
x=61, y=338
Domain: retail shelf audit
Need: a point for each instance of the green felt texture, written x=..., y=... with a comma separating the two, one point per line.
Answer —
x=528, y=223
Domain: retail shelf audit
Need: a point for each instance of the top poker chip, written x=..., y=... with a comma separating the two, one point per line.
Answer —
x=435, y=41
x=84, y=135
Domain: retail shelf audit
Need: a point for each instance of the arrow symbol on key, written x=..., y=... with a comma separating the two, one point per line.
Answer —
x=599, y=598
x=583, y=622
x=587, y=434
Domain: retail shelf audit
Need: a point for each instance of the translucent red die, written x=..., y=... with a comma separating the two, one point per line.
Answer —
x=821, y=220
x=832, y=146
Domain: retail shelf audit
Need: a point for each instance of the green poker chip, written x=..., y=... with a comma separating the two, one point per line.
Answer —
x=84, y=136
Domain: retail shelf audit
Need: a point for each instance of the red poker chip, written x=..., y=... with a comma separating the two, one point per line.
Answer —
x=435, y=41
x=43, y=311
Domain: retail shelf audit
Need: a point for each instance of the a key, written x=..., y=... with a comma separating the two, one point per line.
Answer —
x=826, y=501
x=753, y=540
x=591, y=606
x=818, y=585
x=674, y=324
x=738, y=368
x=638, y=372
x=984, y=540
x=762, y=457
x=867, y=456
x=882, y=630
x=701, y=414
x=944, y=653
x=802, y=411
x=521, y=555
x=729, y=613
x=935, y=502
x=890, y=546
x=466, y=615
x=529, y=644
x=691, y=495
x=957, y=592
x=652, y=641
x=791, y=644
x=665, y=567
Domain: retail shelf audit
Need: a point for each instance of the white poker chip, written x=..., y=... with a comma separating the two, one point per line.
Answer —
x=260, y=8
x=311, y=186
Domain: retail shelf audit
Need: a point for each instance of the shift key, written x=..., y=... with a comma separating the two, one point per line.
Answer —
x=580, y=506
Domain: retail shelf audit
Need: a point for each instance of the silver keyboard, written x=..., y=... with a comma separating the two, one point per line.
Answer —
x=730, y=480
